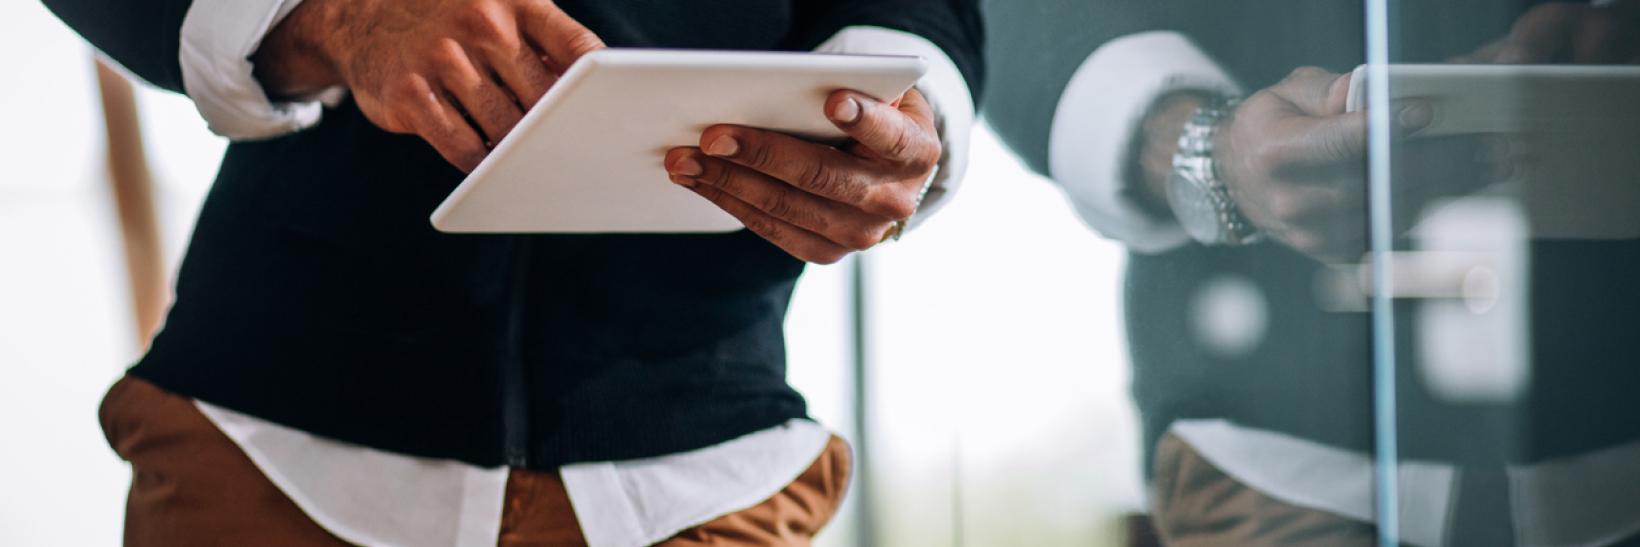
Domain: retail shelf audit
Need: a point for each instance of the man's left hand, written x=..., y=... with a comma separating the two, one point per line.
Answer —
x=1568, y=33
x=817, y=202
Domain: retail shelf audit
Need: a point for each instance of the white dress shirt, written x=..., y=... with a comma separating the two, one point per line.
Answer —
x=1585, y=500
x=373, y=497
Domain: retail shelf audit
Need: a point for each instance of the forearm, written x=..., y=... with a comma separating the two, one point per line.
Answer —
x=141, y=35
x=1155, y=145
x=294, y=59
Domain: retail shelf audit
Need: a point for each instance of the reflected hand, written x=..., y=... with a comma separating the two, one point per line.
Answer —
x=459, y=74
x=1294, y=163
x=1568, y=33
x=817, y=202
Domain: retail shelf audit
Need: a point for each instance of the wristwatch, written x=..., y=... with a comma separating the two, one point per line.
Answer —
x=1200, y=200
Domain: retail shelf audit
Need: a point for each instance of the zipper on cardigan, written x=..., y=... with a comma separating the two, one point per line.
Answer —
x=514, y=396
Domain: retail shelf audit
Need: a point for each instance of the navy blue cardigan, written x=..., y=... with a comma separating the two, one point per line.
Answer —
x=315, y=294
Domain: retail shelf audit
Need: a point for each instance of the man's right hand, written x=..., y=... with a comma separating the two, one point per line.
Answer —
x=458, y=73
x=1295, y=162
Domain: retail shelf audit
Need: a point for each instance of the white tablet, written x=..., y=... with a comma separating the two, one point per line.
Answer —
x=1574, y=127
x=1476, y=99
x=588, y=158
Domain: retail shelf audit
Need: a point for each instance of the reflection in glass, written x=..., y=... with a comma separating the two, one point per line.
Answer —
x=1513, y=210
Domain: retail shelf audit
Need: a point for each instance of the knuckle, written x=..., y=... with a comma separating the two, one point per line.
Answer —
x=583, y=42
x=902, y=208
x=1260, y=97
x=447, y=55
x=1265, y=159
x=860, y=240
x=1305, y=72
x=817, y=176
x=711, y=194
x=1305, y=242
x=904, y=143
x=894, y=205
x=758, y=152
x=928, y=158
x=1284, y=206
x=1555, y=11
x=718, y=176
x=1337, y=146
x=488, y=24
x=827, y=257
x=778, y=204
x=408, y=90
x=470, y=154
x=763, y=226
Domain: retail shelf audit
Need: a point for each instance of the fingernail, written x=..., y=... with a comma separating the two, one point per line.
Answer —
x=723, y=146
x=687, y=166
x=685, y=182
x=1415, y=115
x=847, y=111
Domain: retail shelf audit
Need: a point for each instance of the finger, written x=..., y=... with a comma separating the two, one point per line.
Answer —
x=1599, y=40
x=1540, y=36
x=442, y=126
x=525, y=73
x=1318, y=142
x=563, y=39
x=497, y=35
x=903, y=134
x=803, y=244
x=1485, y=55
x=814, y=168
x=494, y=110
x=1315, y=205
x=1314, y=91
x=838, y=223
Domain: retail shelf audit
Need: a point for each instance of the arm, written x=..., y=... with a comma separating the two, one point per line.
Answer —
x=201, y=48
x=1083, y=93
x=457, y=74
x=140, y=35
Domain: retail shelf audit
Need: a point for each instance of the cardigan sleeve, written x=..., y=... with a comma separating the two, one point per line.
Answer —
x=143, y=36
x=952, y=25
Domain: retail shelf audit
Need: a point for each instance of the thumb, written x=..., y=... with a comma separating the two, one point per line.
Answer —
x=1314, y=91
x=1323, y=141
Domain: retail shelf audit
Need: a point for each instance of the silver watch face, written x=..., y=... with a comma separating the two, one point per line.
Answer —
x=1194, y=207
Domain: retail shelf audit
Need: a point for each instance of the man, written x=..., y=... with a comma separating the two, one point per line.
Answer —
x=334, y=371
x=1254, y=392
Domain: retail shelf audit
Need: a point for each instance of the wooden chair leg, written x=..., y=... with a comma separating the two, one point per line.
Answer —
x=132, y=188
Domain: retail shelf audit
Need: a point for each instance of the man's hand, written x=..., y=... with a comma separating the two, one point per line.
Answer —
x=1568, y=33
x=458, y=73
x=1295, y=162
x=818, y=202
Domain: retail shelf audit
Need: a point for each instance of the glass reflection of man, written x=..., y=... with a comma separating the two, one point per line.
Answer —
x=1198, y=133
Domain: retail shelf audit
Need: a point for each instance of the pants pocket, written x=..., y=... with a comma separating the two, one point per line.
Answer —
x=113, y=413
x=838, y=459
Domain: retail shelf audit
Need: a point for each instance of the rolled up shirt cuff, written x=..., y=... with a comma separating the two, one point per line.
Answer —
x=1097, y=123
x=946, y=90
x=218, y=39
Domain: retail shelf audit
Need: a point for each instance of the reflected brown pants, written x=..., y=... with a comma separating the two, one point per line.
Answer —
x=192, y=486
x=1194, y=504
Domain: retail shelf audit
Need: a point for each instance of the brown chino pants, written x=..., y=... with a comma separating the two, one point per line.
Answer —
x=192, y=486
